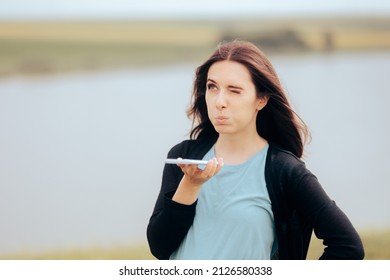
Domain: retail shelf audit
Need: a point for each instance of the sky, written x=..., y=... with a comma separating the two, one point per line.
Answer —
x=128, y=9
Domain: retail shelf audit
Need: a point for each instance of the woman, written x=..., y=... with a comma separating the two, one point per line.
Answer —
x=254, y=199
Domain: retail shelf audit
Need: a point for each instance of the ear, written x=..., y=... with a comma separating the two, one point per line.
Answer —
x=261, y=102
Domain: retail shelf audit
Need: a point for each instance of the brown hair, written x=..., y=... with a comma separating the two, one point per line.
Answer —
x=276, y=122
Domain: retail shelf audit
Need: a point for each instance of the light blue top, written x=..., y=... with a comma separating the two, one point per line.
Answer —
x=233, y=217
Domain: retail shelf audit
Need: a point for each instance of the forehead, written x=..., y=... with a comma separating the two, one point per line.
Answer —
x=227, y=70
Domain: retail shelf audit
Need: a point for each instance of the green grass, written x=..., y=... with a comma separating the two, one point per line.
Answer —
x=31, y=48
x=376, y=243
x=31, y=57
x=125, y=252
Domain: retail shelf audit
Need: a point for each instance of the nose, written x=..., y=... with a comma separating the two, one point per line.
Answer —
x=221, y=101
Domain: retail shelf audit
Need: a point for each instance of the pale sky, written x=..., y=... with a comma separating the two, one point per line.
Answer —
x=127, y=9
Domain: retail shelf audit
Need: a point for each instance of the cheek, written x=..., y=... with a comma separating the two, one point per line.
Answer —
x=209, y=102
x=247, y=110
x=207, y=99
x=208, y=106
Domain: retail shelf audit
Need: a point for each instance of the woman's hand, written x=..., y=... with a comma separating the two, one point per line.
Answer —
x=196, y=176
x=193, y=179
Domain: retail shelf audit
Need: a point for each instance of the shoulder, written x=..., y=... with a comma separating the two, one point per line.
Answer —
x=284, y=167
x=279, y=157
x=292, y=182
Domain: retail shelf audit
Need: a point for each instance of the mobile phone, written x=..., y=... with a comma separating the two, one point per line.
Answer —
x=185, y=161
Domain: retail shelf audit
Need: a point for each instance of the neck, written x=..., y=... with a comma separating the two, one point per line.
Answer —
x=236, y=150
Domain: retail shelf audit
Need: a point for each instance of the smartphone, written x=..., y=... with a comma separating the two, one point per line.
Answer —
x=186, y=161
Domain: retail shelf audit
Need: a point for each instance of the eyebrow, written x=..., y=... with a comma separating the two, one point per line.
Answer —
x=229, y=86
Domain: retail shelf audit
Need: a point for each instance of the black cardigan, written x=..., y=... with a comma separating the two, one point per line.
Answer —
x=299, y=205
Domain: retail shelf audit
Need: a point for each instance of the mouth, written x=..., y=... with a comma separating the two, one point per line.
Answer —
x=221, y=120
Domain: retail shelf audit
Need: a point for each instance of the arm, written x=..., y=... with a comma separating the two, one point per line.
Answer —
x=170, y=220
x=329, y=221
x=193, y=180
x=175, y=207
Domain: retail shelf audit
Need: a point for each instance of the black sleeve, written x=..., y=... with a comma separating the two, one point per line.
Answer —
x=329, y=222
x=170, y=220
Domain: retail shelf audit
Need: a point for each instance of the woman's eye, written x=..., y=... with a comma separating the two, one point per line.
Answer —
x=211, y=86
x=236, y=91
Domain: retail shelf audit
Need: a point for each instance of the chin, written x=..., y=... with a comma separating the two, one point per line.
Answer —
x=223, y=130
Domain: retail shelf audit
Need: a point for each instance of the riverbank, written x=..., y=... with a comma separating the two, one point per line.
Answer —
x=39, y=48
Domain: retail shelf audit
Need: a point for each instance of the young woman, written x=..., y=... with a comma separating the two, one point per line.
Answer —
x=254, y=199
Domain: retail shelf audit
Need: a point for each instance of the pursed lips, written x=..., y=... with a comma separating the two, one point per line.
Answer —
x=221, y=119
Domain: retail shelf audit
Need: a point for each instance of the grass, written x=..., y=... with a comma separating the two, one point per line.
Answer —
x=57, y=57
x=30, y=48
x=376, y=243
x=126, y=252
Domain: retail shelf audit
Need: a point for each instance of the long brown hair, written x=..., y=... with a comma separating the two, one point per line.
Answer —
x=276, y=122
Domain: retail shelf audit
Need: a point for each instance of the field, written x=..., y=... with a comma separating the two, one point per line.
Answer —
x=36, y=48
x=376, y=243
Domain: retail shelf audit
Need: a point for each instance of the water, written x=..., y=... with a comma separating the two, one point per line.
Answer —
x=81, y=155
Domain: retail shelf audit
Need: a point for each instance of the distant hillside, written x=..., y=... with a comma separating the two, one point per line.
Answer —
x=50, y=47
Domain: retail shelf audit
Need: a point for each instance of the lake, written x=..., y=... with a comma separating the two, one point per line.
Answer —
x=81, y=155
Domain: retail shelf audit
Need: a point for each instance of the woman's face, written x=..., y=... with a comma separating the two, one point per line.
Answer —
x=232, y=104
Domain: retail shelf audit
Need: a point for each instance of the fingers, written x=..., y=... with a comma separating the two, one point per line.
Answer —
x=195, y=173
x=212, y=168
x=190, y=169
x=219, y=166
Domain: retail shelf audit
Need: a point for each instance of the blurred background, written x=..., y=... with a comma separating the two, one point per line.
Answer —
x=93, y=95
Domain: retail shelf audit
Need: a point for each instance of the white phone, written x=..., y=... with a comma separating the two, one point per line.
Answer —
x=185, y=161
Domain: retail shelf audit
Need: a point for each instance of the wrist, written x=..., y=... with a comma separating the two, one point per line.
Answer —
x=190, y=184
x=187, y=192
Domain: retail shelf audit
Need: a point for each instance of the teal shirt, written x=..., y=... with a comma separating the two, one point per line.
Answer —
x=233, y=217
